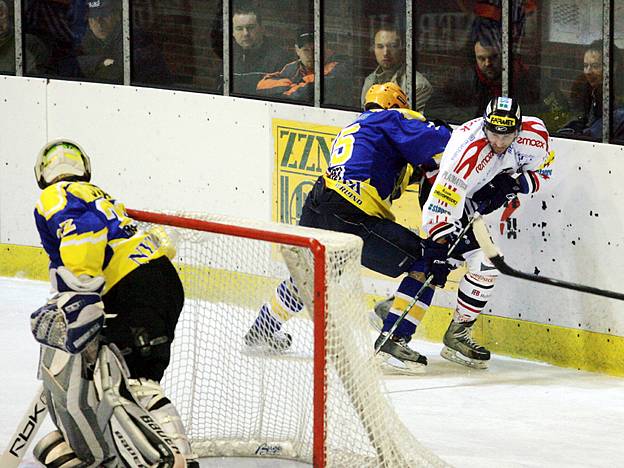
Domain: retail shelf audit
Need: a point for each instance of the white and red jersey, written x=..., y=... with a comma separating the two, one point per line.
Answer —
x=469, y=163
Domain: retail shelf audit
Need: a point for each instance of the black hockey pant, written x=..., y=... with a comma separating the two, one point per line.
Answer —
x=389, y=248
x=148, y=302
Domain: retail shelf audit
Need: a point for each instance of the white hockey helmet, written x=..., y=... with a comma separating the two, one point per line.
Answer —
x=61, y=159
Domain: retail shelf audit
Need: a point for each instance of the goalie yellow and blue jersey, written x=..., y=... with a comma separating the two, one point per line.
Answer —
x=88, y=232
x=372, y=159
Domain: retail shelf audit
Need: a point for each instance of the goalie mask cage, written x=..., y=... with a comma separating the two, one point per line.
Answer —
x=322, y=401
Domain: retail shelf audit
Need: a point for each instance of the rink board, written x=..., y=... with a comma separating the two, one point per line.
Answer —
x=166, y=150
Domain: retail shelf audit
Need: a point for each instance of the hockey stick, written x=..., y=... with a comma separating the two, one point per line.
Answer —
x=496, y=257
x=388, y=334
x=25, y=432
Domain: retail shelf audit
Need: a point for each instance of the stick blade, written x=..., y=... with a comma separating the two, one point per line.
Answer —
x=484, y=239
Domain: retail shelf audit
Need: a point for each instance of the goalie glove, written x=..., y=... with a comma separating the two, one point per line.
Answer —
x=69, y=321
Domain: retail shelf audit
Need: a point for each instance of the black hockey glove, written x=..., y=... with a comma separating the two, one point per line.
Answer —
x=496, y=193
x=435, y=255
x=441, y=123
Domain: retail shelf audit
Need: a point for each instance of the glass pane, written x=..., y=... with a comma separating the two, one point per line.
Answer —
x=364, y=44
x=177, y=44
x=617, y=119
x=53, y=35
x=273, y=49
x=7, y=38
x=446, y=56
x=568, y=65
x=257, y=45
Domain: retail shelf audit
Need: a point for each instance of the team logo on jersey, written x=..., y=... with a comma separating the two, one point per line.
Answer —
x=65, y=228
x=531, y=142
x=437, y=209
x=470, y=158
x=483, y=164
x=446, y=195
x=454, y=180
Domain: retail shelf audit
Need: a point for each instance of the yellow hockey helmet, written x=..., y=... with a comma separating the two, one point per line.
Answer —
x=387, y=95
x=61, y=160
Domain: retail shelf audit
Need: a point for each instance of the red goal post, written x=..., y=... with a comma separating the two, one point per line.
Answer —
x=235, y=401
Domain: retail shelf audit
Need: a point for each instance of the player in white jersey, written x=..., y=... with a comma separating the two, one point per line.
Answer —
x=487, y=161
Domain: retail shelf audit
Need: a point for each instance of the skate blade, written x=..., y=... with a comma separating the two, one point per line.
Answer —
x=453, y=356
x=393, y=366
x=375, y=321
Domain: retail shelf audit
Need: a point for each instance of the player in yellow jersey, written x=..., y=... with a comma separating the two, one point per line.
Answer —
x=102, y=376
x=372, y=161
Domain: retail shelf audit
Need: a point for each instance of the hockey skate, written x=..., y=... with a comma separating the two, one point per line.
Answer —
x=265, y=332
x=381, y=311
x=462, y=349
x=399, y=358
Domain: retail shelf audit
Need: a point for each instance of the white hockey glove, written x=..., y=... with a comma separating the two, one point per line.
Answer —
x=74, y=316
x=69, y=321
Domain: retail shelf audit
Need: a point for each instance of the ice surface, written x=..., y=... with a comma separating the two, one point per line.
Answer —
x=515, y=414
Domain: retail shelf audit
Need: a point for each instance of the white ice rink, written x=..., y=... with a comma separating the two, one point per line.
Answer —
x=515, y=414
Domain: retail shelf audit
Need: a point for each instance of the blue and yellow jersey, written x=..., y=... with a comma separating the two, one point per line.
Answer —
x=371, y=158
x=85, y=230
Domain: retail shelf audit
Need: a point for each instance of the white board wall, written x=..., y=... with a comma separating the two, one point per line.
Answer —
x=167, y=150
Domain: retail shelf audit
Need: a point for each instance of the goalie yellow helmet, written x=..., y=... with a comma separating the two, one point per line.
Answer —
x=387, y=96
x=61, y=160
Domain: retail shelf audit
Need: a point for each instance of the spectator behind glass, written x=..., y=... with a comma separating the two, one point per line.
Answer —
x=102, y=49
x=389, y=53
x=470, y=90
x=586, y=97
x=58, y=27
x=36, y=52
x=295, y=80
x=253, y=56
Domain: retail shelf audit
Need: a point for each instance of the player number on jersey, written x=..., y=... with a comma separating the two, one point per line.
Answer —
x=343, y=145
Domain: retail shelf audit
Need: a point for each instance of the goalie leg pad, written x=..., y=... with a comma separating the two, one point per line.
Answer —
x=151, y=396
x=136, y=436
x=73, y=405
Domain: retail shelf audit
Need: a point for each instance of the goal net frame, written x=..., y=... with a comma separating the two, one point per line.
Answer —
x=318, y=252
x=389, y=442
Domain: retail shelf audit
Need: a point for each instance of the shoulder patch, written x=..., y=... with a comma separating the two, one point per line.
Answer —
x=410, y=114
x=52, y=200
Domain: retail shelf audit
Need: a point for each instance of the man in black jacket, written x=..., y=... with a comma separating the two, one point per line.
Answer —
x=102, y=49
x=253, y=56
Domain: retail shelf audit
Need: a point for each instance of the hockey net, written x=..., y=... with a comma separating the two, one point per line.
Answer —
x=322, y=401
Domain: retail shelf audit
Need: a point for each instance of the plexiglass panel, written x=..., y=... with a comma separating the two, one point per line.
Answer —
x=7, y=38
x=177, y=44
x=445, y=52
x=617, y=118
x=272, y=52
x=364, y=44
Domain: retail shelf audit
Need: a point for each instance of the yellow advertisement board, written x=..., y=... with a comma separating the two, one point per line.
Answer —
x=302, y=153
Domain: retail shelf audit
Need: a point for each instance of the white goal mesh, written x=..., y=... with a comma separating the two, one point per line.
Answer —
x=321, y=402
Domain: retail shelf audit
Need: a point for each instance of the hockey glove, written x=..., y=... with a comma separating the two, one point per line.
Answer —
x=69, y=321
x=496, y=193
x=435, y=255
